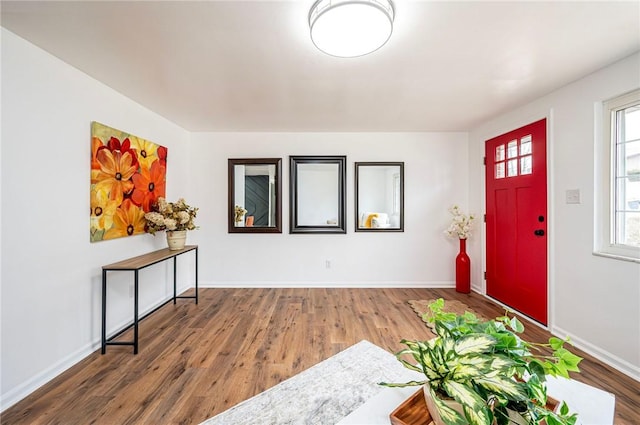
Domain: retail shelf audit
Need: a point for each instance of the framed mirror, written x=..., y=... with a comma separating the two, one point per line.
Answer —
x=379, y=196
x=317, y=194
x=255, y=195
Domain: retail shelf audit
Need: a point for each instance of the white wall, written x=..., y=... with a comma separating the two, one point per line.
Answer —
x=595, y=300
x=51, y=273
x=50, y=285
x=435, y=178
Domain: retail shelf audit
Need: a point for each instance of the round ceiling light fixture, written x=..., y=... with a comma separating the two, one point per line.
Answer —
x=350, y=28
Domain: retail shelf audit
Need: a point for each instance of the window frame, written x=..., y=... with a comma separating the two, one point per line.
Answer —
x=606, y=229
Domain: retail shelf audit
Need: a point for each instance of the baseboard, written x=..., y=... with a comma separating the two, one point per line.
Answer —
x=14, y=395
x=600, y=354
x=324, y=284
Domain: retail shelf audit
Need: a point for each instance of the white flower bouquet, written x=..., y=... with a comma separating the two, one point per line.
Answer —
x=170, y=216
x=460, y=224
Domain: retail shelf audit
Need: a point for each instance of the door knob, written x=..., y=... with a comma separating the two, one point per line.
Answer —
x=538, y=232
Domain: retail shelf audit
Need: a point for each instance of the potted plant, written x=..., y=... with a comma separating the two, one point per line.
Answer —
x=239, y=213
x=488, y=369
x=460, y=228
x=173, y=217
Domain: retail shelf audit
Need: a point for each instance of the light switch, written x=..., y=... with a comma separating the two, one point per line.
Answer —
x=572, y=196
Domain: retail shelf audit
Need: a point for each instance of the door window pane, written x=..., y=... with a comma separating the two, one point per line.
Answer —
x=500, y=153
x=525, y=164
x=525, y=145
x=500, y=170
x=512, y=167
x=512, y=149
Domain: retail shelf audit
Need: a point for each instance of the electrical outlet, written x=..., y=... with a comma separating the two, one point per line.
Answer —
x=327, y=264
x=572, y=196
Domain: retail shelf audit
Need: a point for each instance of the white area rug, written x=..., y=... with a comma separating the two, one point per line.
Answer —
x=322, y=394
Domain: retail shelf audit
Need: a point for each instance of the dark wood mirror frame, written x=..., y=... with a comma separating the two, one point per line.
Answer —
x=277, y=163
x=294, y=195
x=397, y=210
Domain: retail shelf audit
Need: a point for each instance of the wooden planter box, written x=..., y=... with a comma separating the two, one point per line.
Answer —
x=414, y=411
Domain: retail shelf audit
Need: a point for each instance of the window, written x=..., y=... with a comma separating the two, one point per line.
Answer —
x=620, y=234
x=518, y=157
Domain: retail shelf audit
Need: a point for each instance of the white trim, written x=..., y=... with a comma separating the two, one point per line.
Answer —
x=512, y=311
x=550, y=217
x=551, y=221
x=604, y=157
x=602, y=355
x=323, y=284
x=16, y=394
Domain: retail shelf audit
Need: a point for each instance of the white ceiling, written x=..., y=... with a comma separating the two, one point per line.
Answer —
x=250, y=65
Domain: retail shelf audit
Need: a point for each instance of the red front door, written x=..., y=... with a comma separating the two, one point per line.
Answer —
x=516, y=222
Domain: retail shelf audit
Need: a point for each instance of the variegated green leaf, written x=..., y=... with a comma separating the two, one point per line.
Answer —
x=474, y=406
x=442, y=328
x=474, y=343
x=502, y=362
x=537, y=390
x=448, y=348
x=478, y=417
x=481, y=361
x=447, y=414
x=402, y=384
x=501, y=385
x=463, y=394
x=410, y=366
x=464, y=372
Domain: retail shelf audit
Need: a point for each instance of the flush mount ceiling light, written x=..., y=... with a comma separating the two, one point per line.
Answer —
x=350, y=28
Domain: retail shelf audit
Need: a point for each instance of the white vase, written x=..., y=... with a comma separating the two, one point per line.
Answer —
x=176, y=239
x=433, y=410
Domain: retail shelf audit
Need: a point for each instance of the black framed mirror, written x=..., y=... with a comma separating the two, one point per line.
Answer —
x=379, y=196
x=255, y=195
x=317, y=194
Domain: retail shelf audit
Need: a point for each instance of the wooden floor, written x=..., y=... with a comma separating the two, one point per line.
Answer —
x=197, y=361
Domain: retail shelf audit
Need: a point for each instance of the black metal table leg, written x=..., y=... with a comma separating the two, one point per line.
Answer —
x=174, y=280
x=196, y=275
x=104, y=312
x=135, y=314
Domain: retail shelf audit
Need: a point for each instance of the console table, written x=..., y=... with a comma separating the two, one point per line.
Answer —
x=136, y=264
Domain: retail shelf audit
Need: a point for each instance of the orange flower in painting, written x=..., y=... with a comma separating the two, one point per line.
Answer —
x=114, y=145
x=128, y=220
x=149, y=185
x=116, y=170
x=96, y=144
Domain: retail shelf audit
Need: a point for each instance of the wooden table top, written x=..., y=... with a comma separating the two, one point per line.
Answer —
x=144, y=260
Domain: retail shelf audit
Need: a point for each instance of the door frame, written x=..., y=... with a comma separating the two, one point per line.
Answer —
x=551, y=205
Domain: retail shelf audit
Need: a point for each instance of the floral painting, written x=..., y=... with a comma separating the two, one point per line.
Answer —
x=128, y=174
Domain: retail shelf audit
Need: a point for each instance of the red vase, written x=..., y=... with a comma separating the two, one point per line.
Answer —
x=463, y=269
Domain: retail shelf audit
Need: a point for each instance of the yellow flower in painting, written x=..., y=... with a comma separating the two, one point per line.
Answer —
x=146, y=151
x=128, y=220
x=116, y=170
x=102, y=210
